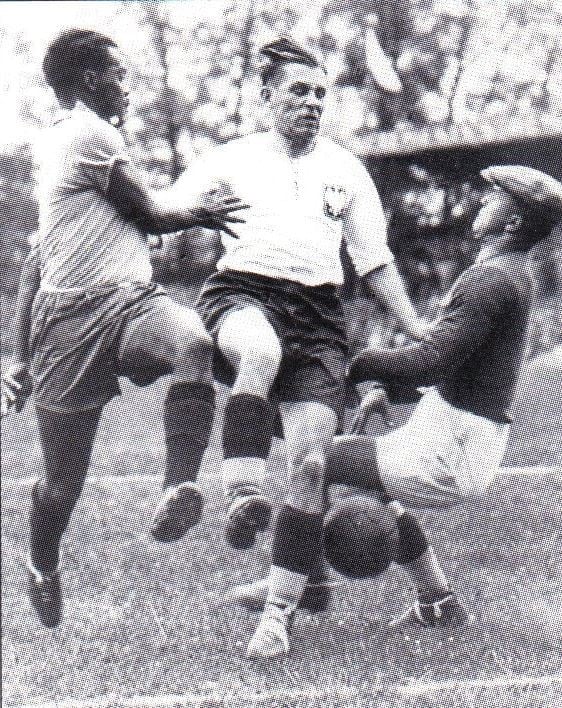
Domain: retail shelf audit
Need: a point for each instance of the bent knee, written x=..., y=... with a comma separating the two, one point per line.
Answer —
x=264, y=359
x=192, y=342
x=247, y=339
x=475, y=487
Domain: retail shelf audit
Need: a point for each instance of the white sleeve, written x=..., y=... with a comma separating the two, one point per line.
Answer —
x=197, y=178
x=364, y=225
x=96, y=150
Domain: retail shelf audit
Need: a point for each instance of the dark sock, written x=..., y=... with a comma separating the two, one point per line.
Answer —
x=297, y=541
x=318, y=572
x=247, y=427
x=412, y=540
x=352, y=461
x=188, y=420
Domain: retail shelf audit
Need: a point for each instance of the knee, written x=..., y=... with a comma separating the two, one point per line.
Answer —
x=471, y=490
x=257, y=363
x=193, y=349
x=262, y=359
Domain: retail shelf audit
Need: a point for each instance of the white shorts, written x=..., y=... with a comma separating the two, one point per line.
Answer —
x=441, y=456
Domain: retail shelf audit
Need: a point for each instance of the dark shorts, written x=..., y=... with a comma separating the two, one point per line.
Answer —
x=81, y=342
x=310, y=325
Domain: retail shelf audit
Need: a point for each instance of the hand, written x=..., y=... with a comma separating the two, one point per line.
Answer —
x=215, y=208
x=375, y=401
x=16, y=387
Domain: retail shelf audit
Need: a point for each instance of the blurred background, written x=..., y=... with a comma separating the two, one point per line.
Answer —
x=426, y=92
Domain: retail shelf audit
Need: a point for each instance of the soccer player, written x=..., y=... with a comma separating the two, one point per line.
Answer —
x=275, y=315
x=96, y=314
x=449, y=449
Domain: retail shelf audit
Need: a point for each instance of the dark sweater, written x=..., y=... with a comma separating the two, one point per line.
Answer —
x=473, y=352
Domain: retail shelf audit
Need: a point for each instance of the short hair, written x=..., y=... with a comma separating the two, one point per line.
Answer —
x=281, y=52
x=70, y=54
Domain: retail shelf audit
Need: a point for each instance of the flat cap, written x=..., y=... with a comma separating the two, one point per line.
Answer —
x=532, y=187
x=286, y=49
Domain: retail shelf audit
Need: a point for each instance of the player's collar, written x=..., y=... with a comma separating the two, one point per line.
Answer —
x=279, y=144
x=79, y=108
x=492, y=250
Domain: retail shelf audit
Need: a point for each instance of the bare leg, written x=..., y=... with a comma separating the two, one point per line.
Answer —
x=297, y=544
x=67, y=441
x=172, y=339
x=249, y=343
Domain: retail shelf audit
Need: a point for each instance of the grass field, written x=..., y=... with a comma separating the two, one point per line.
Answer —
x=144, y=625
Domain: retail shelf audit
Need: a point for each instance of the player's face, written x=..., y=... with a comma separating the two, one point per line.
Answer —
x=111, y=90
x=296, y=97
x=497, y=210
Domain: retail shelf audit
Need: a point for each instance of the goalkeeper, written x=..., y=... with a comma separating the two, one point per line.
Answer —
x=470, y=359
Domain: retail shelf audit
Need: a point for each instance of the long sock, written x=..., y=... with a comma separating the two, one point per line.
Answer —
x=319, y=569
x=297, y=544
x=418, y=559
x=247, y=433
x=188, y=420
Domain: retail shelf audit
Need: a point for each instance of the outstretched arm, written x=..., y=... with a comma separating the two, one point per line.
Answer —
x=478, y=303
x=163, y=211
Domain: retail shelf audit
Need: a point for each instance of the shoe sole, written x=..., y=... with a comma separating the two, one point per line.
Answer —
x=410, y=624
x=181, y=512
x=245, y=522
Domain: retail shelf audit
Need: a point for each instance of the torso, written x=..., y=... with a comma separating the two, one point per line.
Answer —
x=84, y=242
x=294, y=227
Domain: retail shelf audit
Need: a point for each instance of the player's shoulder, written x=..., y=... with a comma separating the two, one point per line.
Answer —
x=87, y=128
x=489, y=282
x=342, y=159
x=333, y=149
x=236, y=152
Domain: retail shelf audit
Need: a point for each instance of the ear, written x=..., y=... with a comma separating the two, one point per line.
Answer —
x=514, y=224
x=265, y=93
x=90, y=80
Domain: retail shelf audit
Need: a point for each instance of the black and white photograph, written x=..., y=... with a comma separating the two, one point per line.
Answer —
x=281, y=353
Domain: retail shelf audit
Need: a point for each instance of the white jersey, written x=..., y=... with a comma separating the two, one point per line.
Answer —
x=300, y=209
x=83, y=240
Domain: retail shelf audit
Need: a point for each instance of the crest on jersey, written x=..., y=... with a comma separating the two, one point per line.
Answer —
x=335, y=200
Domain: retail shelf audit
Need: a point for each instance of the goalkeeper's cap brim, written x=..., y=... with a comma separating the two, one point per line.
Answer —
x=285, y=49
x=531, y=187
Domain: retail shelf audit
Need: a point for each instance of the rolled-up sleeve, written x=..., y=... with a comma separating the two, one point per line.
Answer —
x=364, y=225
